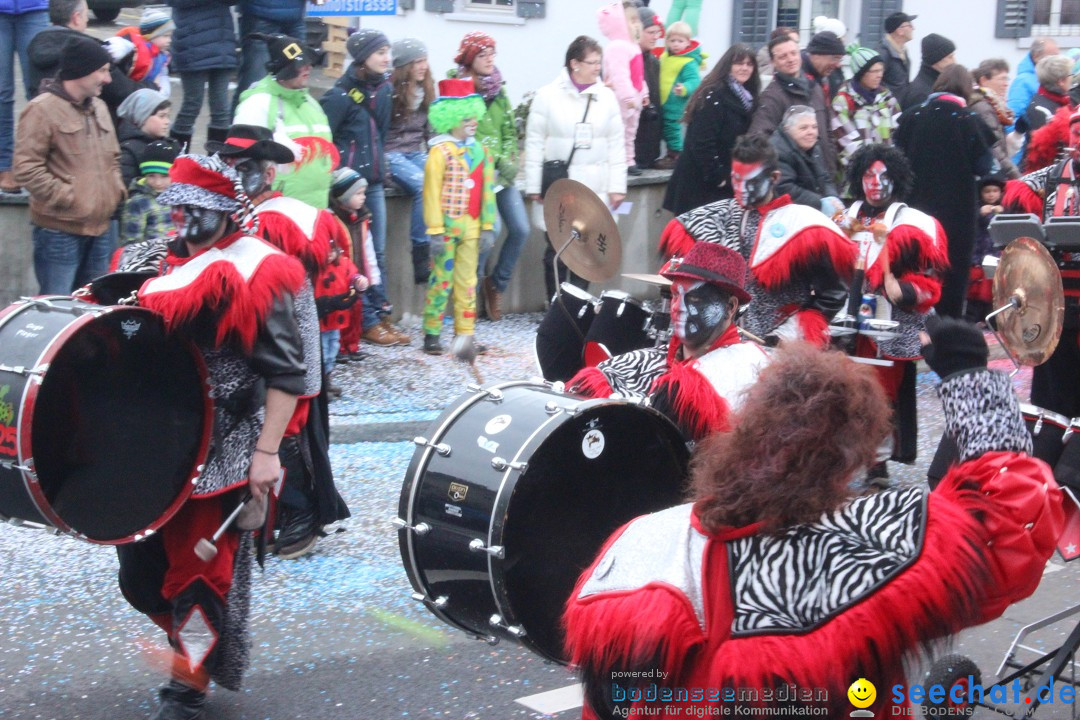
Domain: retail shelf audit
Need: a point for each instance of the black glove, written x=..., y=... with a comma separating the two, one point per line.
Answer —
x=332, y=303
x=955, y=346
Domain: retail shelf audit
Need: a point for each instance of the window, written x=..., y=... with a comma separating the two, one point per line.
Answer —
x=788, y=13
x=1056, y=18
x=489, y=4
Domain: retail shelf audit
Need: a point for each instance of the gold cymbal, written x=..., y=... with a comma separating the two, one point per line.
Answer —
x=577, y=218
x=1028, y=279
x=652, y=279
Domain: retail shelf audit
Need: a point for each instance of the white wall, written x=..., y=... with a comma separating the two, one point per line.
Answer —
x=968, y=23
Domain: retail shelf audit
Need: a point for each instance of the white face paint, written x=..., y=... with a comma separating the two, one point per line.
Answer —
x=698, y=309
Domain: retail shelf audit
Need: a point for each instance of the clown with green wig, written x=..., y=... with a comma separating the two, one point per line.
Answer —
x=459, y=206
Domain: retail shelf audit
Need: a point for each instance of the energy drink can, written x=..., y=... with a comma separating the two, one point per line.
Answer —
x=867, y=309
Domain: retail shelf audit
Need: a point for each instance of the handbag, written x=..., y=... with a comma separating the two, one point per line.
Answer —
x=553, y=170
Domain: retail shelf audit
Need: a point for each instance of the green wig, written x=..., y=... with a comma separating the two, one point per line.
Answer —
x=447, y=113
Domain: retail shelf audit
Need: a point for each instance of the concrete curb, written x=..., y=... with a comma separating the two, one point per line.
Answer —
x=377, y=432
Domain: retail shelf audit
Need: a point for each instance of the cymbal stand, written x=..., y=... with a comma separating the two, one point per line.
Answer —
x=1015, y=303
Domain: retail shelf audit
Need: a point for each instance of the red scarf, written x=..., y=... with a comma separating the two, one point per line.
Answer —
x=1056, y=97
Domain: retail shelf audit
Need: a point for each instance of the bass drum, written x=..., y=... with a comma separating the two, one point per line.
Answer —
x=514, y=493
x=104, y=419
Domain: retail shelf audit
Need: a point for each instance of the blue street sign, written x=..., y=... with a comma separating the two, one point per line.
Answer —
x=353, y=7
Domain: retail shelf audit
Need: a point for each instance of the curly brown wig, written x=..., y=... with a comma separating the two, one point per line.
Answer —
x=809, y=423
x=895, y=162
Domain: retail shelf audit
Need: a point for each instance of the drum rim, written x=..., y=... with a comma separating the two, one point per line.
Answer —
x=24, y=431
x=1044, y=414
x=622, y=296
x=412, y=568
x=572, y=289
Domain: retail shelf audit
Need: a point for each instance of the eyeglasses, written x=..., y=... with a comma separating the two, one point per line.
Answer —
x=594, y=63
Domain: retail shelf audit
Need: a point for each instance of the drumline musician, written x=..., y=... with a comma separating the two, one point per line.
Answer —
x=699, y=379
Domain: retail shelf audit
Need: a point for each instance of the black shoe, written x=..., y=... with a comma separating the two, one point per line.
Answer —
x=333, y=391
x=421, y=260
x=432, y=346
x=297, y=525
x=633, y=170
x=877, y=478
x=180, y=702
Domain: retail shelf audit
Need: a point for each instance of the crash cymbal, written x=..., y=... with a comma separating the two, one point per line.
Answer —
x=1028, y=280
x=579, y=220
x=647, y=278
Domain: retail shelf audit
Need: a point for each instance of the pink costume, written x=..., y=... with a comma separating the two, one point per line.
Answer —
x=624, y=70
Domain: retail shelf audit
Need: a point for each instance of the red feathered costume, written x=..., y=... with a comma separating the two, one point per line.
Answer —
x=680, y=621
x=797, y=257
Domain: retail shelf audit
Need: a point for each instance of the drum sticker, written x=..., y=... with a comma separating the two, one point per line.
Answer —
x=458, y=491
x=30, y=331
x=130, y=327
x=7, y=418
x=453, y=510
x=497, y=424
x=592, y=445
x=490, y=445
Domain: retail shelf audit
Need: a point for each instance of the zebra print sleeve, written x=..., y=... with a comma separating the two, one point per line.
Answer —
x=983, y=414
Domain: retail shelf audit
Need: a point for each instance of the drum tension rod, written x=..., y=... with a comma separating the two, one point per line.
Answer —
x=12, y=465
x=496, y=551
x=21, y=370
x=441, y=448
x=515, y=630
x=501, y=464
x=439, y=602
x=420, y=528
x=493, y=394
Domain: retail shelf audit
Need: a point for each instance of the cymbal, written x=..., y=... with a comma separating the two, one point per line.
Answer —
x=648, y=278
x=579, y=220
x=1028, y=279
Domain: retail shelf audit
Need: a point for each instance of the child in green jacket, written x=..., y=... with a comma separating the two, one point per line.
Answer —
x=680, y=74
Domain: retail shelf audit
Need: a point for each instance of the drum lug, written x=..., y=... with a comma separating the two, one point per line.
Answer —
x=420, y=528
x=489, y=639
x=441, y=448
x=515, y=630
x=501, y=464
x=1038, y=426
x=439, y=602
x=496, y=551
x=1068, y=433
x=493, y=394
x=552, y=408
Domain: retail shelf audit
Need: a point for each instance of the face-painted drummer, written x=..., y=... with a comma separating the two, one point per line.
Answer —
x=798, y=258
x=699, y=379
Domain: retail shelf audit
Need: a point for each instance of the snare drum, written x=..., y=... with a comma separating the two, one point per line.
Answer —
x=1049, y=432
x=621, y=325
x=104, y=419
x=513, y=493
x=560, y=338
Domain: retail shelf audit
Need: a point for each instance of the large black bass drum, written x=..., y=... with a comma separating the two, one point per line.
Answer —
x=513, y=493
x=105, y=419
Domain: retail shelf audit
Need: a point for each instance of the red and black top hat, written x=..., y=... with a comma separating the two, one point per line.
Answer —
x=716, y=265
x=253, y=142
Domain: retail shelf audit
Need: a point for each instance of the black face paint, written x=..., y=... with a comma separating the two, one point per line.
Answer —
x=697, y=311
x=252, y=176
x=200, y=224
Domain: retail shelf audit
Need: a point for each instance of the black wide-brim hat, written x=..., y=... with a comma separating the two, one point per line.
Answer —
x=253, y=142
x=716, y=265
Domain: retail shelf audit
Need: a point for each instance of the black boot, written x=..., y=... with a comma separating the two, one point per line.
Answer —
x=432, y=346
x=184, y=139
x=180, y=702
x=421, y=261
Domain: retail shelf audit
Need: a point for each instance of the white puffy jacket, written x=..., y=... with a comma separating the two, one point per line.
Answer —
x=557, y=108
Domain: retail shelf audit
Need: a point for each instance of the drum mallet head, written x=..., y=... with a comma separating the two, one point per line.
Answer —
x=206, y=550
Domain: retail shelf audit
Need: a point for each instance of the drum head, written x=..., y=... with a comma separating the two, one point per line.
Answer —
x=119, y=425
x=608, y=464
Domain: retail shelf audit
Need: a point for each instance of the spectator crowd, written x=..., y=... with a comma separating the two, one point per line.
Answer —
x=94, y=146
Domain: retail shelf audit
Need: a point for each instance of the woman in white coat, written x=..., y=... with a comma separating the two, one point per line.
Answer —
x=559, y=125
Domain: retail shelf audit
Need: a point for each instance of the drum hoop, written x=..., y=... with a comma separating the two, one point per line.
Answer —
x=498, y=512
x=1047, y=415
x=413, y=570
x=575, y=291
x=24, y=439
x=622, y=297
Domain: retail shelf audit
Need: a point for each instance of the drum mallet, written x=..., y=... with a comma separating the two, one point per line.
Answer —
x=207, y=549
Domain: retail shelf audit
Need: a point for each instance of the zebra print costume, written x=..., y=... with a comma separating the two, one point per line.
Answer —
x=856, y=591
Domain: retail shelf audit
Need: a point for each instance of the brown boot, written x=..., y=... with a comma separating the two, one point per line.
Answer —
x=379, y=335
x=492, y=300
x=667, y=162
x=400, y=337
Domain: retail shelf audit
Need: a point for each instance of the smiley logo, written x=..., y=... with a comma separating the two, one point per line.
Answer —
x=862, y=693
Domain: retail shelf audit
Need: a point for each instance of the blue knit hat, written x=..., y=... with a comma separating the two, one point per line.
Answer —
x=155, y=23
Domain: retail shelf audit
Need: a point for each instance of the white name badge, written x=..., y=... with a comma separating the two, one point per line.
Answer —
x=583, y=136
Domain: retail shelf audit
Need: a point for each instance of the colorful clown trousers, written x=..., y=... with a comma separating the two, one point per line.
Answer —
x=454, y=258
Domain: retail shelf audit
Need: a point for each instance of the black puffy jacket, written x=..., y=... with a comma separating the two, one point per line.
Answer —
x=358, y=111
x=205, y=38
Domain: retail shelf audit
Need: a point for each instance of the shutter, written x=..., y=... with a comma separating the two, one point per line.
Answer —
x=1014, y=18
x=439, y=6
x=752, y=22
x=407, y=4
x=531, y=9
x=872, y=22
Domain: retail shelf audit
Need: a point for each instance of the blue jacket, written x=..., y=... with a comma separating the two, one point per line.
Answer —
x=1022, y=88
x=358, y=112
x=18, y=7
x=204, y=38
x=279, y=10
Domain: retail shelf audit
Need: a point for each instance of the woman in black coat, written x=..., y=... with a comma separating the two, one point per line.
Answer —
x=802, y=168
x=718, y=113
x=949, y=148
x=204, y=55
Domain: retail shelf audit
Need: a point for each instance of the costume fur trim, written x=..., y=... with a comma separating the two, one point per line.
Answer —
x=1019, y=197
x=591, y=383
x=805, y=248
x=693, y=401
x=283, y=233
x=1046, y=142
x=675, y=241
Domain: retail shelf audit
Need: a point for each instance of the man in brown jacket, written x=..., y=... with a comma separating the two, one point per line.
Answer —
x=68, y=159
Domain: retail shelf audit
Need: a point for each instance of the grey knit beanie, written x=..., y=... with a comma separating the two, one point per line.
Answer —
x=365, y=41
x=407, y=50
